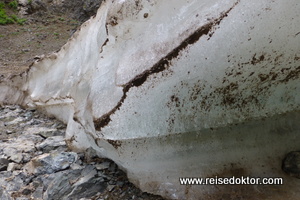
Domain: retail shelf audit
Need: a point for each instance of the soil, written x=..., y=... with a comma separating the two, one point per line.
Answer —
x=42, y=33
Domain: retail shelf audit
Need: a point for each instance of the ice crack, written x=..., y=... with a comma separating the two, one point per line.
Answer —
x=162, y=65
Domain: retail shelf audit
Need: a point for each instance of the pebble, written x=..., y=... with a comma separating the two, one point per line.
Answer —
x=35, y=163
x=102, y=166
x=50, y=163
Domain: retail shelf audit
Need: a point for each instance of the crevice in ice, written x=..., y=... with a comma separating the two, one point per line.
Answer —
x=59, y=99
x=76, y=120
x=106, y=41
x=106, y=28
x=162, y=64
x=54, y=101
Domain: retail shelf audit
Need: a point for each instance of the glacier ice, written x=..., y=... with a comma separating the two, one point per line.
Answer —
x=171, y=89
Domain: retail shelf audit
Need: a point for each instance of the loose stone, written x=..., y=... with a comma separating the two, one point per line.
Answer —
x=35, y=163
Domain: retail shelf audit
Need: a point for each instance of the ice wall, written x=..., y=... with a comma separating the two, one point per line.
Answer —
x=171, y=89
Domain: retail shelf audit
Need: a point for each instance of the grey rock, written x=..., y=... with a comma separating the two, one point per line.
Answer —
x=3, y=164
x=12, y=107
x=81, y=155
x=58, y=126
x=13, y=154
x=50, y=163
x=13, y=167
x=10, y=182
x=26, y=191
x=52, y=143
x=88, y=172
x=104, y=176
x=3, y=176
x=110, y=188
x=31, y=139
x=26, y=157
x=32, y=109
x=21, y=144
x=26, y=146
x=27, y=115
x=38, y=193
x=61, y=186
x=76, y=184
x=90, y=7
x=79, y=162
x=54, y=175
x=37, y=183
x=38, y=4
x=75, y=166
x=102, y=166
x=38, y=153
x=18, y=157
x=90, y=154
x=113, y=167
x=42, y=131
x=15, y=121
x=22, y=198
x=88, y=183
x=88, y=189
x=112, y=182
x=46, y=179
x=34, y=122
x=4, y=195
x=23, y=2
x=22, y=176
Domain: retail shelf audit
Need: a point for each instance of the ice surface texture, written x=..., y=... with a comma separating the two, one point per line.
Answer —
x=171, y=89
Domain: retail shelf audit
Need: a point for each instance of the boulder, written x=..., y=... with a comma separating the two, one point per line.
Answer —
x=52, y=143
x=50, y=163
x=76, y=184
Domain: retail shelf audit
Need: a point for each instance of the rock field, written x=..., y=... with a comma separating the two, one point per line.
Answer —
x=35, y=163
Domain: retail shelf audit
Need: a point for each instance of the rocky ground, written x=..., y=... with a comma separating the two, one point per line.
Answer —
x=35, y=163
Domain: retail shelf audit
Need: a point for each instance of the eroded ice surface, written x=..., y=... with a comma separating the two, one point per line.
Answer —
x=171, y=89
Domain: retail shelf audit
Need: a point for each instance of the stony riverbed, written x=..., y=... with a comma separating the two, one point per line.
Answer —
x=35, y=163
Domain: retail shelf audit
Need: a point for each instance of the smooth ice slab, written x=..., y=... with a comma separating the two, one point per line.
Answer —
x=171, y=89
